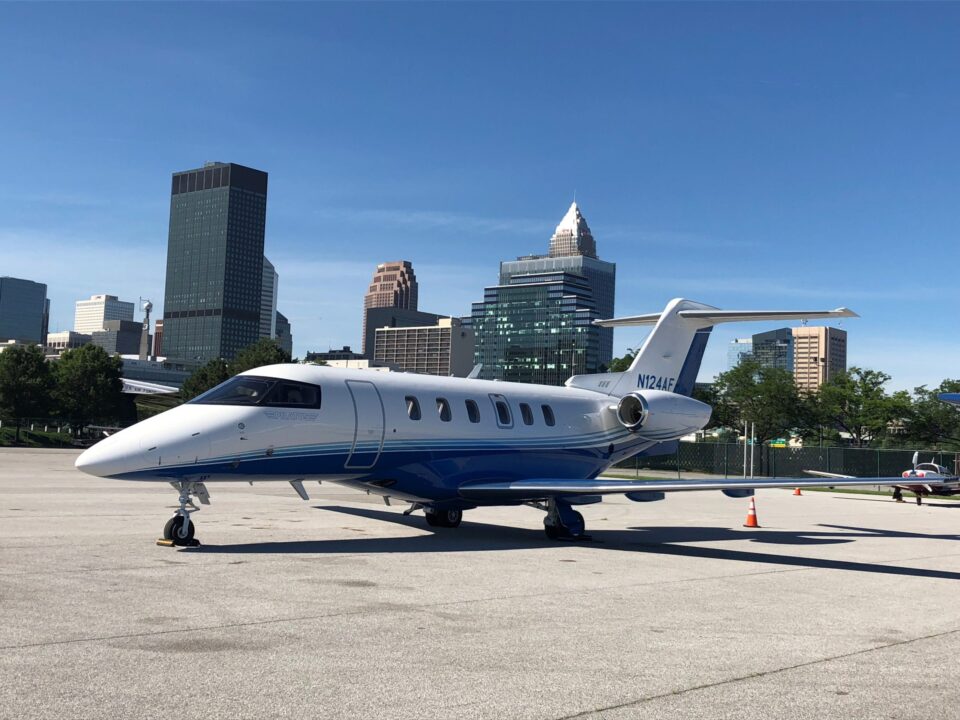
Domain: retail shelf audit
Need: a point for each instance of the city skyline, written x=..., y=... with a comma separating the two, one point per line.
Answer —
x=813, y=178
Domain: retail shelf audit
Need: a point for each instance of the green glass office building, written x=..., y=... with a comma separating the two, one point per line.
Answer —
x=536, y=325
x=537, y=329
x=212, y=300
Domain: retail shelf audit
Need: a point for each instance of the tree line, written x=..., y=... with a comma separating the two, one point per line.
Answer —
x=852, y=407
x=85, y=385
x=82, y=387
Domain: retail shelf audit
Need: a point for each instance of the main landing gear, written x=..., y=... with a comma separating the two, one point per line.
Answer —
x=443, y=518
x=179, y=529
x=563, y=522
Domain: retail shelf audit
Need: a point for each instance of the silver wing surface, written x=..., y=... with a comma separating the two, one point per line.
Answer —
x=538, y=488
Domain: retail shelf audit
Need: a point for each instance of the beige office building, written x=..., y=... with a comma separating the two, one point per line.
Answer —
x=91, y=314
x=819, y=353
x=442, y=349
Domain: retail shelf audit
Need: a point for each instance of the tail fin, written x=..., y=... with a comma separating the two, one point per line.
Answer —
x=671, y=355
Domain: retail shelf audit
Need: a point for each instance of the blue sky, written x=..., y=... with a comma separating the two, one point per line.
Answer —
x=744, y=155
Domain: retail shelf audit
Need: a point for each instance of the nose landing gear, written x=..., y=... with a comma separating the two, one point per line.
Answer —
x=179, y=529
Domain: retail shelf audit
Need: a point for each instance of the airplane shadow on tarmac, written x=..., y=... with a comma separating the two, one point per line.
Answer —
x=478, y=537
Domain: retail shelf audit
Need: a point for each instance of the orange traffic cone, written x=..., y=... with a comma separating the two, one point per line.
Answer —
x=752, y=516
x=796, y=491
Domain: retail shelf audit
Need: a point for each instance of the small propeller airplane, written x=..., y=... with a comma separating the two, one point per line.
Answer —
x=444, y=444
x=923, y=479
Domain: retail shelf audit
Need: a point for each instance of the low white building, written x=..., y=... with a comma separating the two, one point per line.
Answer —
x=67, y=340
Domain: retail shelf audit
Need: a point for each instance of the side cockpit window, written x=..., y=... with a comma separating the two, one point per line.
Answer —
x=293, y=394
x=266, y=392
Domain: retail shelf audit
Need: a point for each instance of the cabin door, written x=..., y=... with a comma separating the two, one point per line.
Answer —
x=368, y=428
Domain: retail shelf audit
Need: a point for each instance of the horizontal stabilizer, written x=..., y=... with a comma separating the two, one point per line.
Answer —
x=715, y=317
x=539, y=488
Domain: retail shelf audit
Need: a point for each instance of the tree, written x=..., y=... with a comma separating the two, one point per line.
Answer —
x=204, y=378
x=26, y=384
x=933, y=421
x=265, y=351
x=622, y=364
x=764, y=397
x=88, y=386
x=856, y=403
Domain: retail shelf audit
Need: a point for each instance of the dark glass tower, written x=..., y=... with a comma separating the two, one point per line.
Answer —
x=537, y=329
x=536, y=325
x=212, y=301
x=24, y=310
x=774, y=349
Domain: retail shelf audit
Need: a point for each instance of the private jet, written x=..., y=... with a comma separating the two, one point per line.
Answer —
x=443, y=444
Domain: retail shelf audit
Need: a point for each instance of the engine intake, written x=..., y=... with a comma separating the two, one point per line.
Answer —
x=632, y=411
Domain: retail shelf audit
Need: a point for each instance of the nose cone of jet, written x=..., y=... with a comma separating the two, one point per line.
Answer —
x=111, y=456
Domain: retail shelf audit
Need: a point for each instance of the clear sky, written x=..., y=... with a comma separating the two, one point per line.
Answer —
x=743, y=155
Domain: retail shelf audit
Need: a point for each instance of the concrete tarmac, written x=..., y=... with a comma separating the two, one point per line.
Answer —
x=840, y=606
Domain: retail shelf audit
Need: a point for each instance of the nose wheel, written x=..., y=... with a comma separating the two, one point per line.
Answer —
x=179, y=530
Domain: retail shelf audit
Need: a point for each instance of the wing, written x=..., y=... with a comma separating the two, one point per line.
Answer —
x=539, y=488
x=820, y=473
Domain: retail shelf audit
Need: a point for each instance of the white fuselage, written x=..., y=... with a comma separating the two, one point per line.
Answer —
x=415, y=437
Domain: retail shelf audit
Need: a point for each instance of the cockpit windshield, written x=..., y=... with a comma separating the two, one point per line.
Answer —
x=267, y=392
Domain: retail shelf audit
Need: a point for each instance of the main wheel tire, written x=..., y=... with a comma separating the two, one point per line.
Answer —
x=175, y=525
x=580, y=521
x=444, y=518
x=553, y=532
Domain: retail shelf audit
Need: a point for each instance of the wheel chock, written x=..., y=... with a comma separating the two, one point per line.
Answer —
x=163, y=542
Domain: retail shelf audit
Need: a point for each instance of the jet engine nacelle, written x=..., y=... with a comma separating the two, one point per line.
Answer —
x=662, y=414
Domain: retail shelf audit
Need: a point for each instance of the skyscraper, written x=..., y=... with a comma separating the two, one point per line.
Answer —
x=268, y=300
x=394, y=285
x=774, y=349
x=537, y=328
x=536, y=324
x=284, y=336
x=90, y=315
x=738, y=349
x=214, y=261
x=573, y=236
x=819, y=354
x=24, y=310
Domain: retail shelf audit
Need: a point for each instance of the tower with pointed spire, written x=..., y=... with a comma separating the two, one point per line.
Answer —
x=573, y=236
x=536, y=325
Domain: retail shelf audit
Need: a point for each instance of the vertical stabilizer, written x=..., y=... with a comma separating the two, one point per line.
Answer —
x=670, y=358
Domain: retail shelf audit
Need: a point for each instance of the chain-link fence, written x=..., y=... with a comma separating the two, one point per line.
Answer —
x=728, y=460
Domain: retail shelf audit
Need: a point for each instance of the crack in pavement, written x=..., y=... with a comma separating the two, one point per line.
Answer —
x=753, y=676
